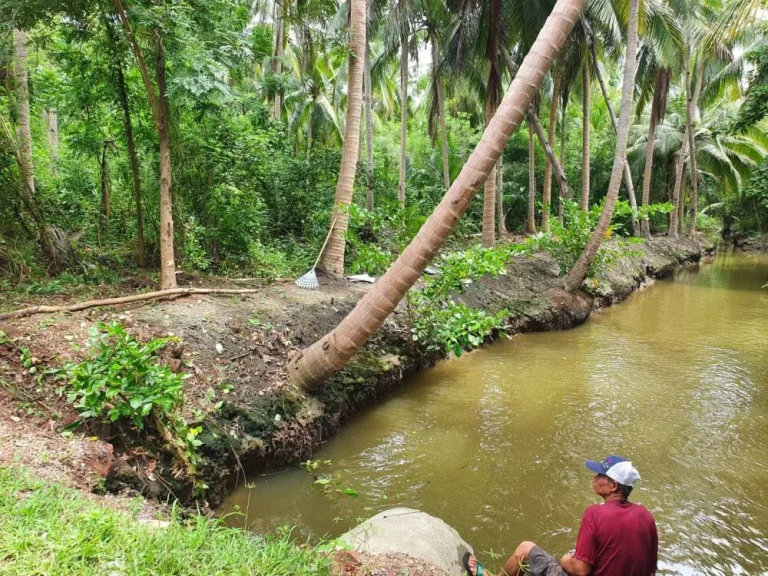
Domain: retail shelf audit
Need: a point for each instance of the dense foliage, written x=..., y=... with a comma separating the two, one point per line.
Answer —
x=256, y=127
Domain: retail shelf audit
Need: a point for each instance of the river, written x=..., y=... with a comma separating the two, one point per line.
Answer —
x=675, y=378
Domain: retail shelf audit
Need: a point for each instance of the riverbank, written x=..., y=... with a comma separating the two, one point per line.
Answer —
x=233, y=355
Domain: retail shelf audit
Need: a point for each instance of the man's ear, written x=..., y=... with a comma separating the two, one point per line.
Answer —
x=615, y=487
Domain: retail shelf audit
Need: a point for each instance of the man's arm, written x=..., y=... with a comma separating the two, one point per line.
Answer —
x=574, y=566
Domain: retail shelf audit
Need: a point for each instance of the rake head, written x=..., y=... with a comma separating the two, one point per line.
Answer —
x=308, y=281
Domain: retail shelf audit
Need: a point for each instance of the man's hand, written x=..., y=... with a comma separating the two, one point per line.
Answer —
x=574, y=566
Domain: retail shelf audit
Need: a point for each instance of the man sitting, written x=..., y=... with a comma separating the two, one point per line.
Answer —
x=616, y=538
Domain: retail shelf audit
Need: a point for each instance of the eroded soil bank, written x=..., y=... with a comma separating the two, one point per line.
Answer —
x=234, y=351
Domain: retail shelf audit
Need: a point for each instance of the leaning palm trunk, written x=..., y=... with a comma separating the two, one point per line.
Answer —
x=530, y=219
x=627, y=172
x=691, y=106
x=579, y=271
x=546, y=197
x=333, y=256
x=314, y=365
x=533, y=121
x=585, y=130
x=403, y=116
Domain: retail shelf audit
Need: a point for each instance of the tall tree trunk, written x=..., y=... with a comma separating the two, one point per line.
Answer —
x=315, y=364
x=333, y=256
x=167, y=258
x=658, y=109
x=122, y=92
x=440, y=107
x=368, y=125
x=106, y=194
x=278, y=18
x=158, y=104
x=500, y=223
x=492, y=92
x=628, y=184
x=530, y=219
x=585, y=133
x=578, y=273
x=563, y=141
x=691, y=106
x=53, y=136
x=674, y=216
x=403, y=116
x=489, y=193
x=547, y=191
x=22, y=102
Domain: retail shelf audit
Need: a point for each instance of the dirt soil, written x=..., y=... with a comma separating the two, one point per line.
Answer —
x=234, y=350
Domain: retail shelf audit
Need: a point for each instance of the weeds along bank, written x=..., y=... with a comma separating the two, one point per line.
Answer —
x=181, y=397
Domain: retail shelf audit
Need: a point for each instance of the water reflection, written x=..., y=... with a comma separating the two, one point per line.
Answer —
x=494, y=443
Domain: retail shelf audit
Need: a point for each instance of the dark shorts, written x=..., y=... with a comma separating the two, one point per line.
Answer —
x=542, y=564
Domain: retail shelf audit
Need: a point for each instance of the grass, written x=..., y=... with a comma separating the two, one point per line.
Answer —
x=51, y=529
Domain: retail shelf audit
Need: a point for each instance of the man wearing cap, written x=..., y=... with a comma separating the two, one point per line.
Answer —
x=616, y=538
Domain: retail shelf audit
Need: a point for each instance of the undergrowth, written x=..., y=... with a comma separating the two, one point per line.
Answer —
x=52, y=529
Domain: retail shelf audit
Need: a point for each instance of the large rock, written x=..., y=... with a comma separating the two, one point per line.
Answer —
x=411, y=532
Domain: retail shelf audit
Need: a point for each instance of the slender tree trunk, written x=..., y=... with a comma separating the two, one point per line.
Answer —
x=585, y=133
x=368, y=127
x=578, y=273
x=20, y=41
x=315, y=364
x=628, y=184
x=489, y=193
x=645, y=229
x=158, y=103
x=675, y=215
x=277, y=62
x=403, y=116
x=440, y=107
x=658, y=108
x=691, y=106
x=106, y=195
x=53, y=136
x=533, y=119
x=563, y=141
x=547, y=193
x=530, y=220
x=122, y=92
x=500, y=223
x=332, y=260
x=167, y=258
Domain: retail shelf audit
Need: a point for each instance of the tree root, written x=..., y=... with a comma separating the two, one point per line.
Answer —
x=159, y=295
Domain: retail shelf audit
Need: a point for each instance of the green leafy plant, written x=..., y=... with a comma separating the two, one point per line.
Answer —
x=122, y=380
x=330, y=484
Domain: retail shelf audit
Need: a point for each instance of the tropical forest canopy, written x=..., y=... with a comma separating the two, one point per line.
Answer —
x=207, y=136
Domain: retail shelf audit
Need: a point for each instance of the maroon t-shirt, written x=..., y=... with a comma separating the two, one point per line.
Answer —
x=618, y=539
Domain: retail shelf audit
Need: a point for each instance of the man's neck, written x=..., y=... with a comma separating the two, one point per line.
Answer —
x=615, y=498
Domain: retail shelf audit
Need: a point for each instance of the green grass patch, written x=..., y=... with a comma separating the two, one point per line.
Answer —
x=52, y=529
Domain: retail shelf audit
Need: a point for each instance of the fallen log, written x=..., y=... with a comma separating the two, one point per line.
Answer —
x=158, y=295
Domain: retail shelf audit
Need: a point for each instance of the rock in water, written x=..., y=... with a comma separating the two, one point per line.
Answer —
x=410, y=532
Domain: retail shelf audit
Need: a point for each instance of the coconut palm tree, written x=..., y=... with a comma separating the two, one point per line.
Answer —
x=315, y=364
x=578, y=273
x=332, y=260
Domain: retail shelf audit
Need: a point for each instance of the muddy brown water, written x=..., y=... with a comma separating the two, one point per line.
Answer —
x=675, y=378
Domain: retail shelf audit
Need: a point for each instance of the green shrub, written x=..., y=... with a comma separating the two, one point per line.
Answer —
x=121, y=380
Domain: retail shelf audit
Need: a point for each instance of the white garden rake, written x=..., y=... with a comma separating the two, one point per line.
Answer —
x=309, y=280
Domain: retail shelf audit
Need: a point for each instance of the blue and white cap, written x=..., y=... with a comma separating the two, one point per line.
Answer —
x=616, y=468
